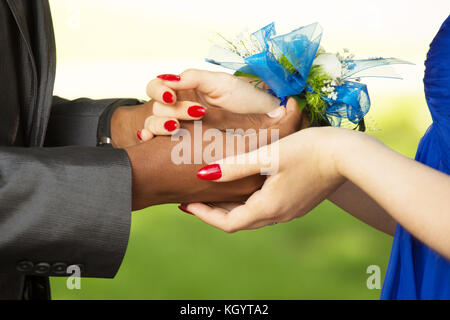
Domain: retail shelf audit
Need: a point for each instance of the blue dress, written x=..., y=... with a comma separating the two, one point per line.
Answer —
x=415, y=271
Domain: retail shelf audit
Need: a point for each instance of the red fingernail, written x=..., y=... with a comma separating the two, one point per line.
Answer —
x=168, y=97
x=196, y=111
x=183, y=208
x=139, y=134
x=171, y=125
x=210, y=173
x=169, y=77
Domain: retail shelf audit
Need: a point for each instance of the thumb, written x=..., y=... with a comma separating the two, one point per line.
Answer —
x=262, y=161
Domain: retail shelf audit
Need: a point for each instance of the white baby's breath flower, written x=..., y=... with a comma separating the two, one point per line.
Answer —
x=332, y=96
x=330, y=64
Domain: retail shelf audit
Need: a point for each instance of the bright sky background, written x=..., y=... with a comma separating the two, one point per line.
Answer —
x=112, y=48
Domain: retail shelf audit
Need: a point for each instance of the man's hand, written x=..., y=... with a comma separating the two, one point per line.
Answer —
x=126, y=121
x=157, y=179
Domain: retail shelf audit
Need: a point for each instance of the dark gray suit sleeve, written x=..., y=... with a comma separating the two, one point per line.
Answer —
x=64, y=206
x=75, y=122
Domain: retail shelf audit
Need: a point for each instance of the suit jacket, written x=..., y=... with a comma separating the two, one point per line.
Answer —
x=60, y=205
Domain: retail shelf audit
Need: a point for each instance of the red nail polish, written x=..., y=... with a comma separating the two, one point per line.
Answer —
x=167, y=97
x=139, y=134
x=171, y=125
x=196, y=111
x=210, y=173
x=169, y=77
x=183, y=208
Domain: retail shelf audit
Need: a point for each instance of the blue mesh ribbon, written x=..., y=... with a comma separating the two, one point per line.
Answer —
x=352, y=103
x=299, y=47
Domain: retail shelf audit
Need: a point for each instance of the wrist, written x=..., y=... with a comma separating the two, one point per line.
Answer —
x=346, y=148
x=126, y=121
x=142, y=193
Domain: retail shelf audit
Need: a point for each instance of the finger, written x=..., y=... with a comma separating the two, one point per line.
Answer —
x=224, y=119
x=201, y=80
x=292, y=121
x=161, y=125
x=228, y=206
x=259, y=161
x=145, y=135
x=158, y=91
x=237, y=219
x=182, y=110
x=216, y=85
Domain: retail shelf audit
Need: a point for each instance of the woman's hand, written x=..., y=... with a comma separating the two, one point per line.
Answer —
x=313, y=164
x=304, y=174
x=189, y=96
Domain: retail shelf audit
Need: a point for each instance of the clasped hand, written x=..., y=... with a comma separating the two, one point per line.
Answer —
x=295, y=155
x=222, y=102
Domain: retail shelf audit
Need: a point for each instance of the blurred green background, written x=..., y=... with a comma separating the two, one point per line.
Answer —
x=172, y=255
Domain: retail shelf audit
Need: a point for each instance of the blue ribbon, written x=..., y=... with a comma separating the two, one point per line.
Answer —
x=352, y=103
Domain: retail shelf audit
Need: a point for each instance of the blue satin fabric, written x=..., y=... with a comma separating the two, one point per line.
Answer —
x=415, y=271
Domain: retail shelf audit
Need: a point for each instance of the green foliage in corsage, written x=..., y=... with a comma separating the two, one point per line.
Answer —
x=316, y=105
x=284, y=62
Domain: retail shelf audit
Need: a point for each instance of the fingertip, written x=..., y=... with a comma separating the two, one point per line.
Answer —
x=145, y=135
x=169, y=77
x=277, y=113
x=212, y=172
x=171, y=126
x=195, y=209
x=168, y=97
x=196, y=111
x=184, y=207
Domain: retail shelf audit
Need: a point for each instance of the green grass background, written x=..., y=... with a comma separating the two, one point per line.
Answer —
x=172, y=255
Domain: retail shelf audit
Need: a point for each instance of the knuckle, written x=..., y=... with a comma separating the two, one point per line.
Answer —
x=255, y=121
x=227, y=230
x=148, y=122
x=157, y=107
x=151, y=85
x=266, y=209
x=189, y=72
x=230, y=229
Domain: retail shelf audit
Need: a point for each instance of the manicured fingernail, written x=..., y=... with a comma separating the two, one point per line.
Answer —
x=276, y=113
x=210, y=173
x=168, y=97
x=171, y=125
x=183, y=208
x=169, y=77
x=139, y=134
x=196, y=111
